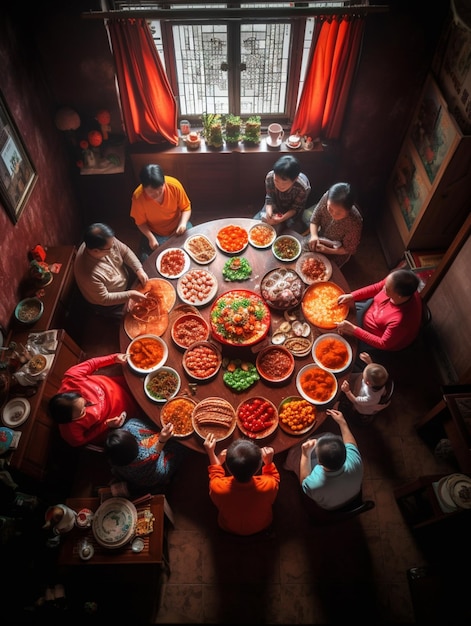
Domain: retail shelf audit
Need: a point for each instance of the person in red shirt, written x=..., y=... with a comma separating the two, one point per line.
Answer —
x=244, y=500
x=87, y=405
x=391, y=314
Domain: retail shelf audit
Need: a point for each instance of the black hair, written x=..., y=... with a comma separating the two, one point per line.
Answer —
x=341, y=193
x=287, y=166
x=97, y=235
x=61, y=406
x=243, y=459
x=152, y=176
x=121, y=447
x=405, y=282
x=330, y=451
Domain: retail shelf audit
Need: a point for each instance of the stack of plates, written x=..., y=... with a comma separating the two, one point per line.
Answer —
x=454, y=492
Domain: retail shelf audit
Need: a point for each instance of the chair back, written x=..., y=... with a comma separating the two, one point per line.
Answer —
x=388, y=393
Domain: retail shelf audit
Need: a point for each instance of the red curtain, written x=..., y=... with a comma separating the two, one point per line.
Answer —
x=336, y=47
x=147, y=101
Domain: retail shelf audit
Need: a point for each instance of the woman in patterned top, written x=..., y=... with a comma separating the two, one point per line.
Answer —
x=286, y=193
x=335, y=224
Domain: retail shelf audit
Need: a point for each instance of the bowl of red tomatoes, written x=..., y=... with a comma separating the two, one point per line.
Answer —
x=202, y=360
x=257, y=417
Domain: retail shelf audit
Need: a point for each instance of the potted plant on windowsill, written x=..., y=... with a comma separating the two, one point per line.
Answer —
x=233, y=124
x=252, y=130
x=212, y=129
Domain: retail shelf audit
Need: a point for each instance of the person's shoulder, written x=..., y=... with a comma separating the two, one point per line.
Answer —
x=172, y=181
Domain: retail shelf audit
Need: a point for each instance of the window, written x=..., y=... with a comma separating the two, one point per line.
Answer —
x=244, y=67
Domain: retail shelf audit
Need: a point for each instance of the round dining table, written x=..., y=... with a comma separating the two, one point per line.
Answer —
x=261, y=261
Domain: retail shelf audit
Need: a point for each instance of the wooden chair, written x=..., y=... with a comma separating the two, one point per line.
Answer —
x=321, y=517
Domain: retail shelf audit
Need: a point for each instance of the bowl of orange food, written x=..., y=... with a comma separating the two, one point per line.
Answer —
x=320, y=305
x=296, y=416
x=316, y=384
x=146, y=353
x=232, y=239
x=178, y=411
x=202, y=360
x=332, y=352
x=275, y=364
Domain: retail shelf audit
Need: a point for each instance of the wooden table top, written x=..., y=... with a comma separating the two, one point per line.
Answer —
x=261, y=261
x=151, y=554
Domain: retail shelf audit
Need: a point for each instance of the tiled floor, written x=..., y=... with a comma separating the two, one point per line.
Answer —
x=307, y=574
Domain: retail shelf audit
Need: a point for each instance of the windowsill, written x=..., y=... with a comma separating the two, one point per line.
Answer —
x=242, y=148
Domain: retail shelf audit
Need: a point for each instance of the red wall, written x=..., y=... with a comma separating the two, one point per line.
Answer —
x=51, y=215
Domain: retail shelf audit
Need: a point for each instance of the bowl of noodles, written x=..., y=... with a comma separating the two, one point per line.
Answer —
x=163, y=384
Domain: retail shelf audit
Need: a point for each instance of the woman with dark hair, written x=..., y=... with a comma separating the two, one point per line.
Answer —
x=143, y=457
x=87, y=405
x=286, y=193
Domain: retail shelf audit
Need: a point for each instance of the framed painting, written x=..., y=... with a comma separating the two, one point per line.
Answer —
x=409, y=190
x=434, y=132
x=17, y=173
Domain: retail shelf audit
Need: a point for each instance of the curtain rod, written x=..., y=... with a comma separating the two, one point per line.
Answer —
x=231, y=13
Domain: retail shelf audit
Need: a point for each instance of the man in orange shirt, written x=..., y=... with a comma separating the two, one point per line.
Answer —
x=160, y=208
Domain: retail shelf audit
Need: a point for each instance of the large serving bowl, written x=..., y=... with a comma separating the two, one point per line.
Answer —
x=296, y=416
x=202, y=360
x=162, y=384
x=29, y=310
x=332, y=352
x=316, y=384
x=257, y=417
x=214, y=415
x=275, y=364
x=239, y=318
x=178, y=411
x=232, y=239
x=282, y=288
x=146, y=354
x=320, y=305
x=188, y=328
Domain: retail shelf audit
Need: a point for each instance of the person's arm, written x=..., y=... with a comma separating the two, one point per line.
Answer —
x=131, y=260
x=345, y=431
x=305, y=462
x=184, y=219
x=210, y=447
x=315, y=222
x=146, y=231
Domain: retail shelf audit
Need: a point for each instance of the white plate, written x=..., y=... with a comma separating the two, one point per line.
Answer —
x=207, y=246
x=114, y=522
x=290, y=238
x=294, y=147
x=312, y=400
x=186, y=262
x=268, y=228
x=193, y=280
x=240, y=228
x=274, y=145
x=318, y=257
x=16, y=412
x=326, y=338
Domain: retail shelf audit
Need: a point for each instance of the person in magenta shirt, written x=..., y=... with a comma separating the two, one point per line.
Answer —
x=87, y=404
x=392, y=321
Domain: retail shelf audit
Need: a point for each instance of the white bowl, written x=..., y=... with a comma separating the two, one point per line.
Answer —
x=326, y=342
x=16, y=412
x=315, y=371
x=164, y=373
x=292, y=243
x=147, y=367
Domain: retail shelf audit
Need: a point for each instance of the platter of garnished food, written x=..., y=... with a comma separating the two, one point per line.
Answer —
x=172, y=263
x=239, y=318
x=257, y=417
x=316, y=384
x=197, y=287
x=236, y=268
x=296, y=416
x=282, y=288
x=286, y=248
x=162, y=384
x=214, y=415
x=146, y=353
x=332, y=352
x=262, y=235
x=320, y=306
x=178, y=411
x=313, y=267
x=232, y=239
x=201, y=249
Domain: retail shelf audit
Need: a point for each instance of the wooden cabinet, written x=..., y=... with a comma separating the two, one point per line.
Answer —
x=427, y=197
x=40, y=450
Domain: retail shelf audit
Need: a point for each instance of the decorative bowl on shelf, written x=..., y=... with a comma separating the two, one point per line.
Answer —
x=29, y=310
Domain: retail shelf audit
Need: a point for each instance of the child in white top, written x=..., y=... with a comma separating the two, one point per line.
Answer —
x=364, y=389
